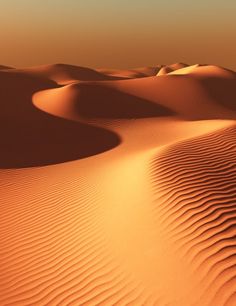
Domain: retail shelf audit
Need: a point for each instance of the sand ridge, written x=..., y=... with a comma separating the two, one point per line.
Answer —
x=118, y=187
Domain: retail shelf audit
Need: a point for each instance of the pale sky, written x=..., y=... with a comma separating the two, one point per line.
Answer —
x=117, y=33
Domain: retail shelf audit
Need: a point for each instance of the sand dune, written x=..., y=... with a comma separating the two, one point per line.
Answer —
x=86, y=100
x=118, y=186
x=5, y=67
x=195, y=180
x=65, y=74
x=171, y=68
x=33, y=138
x=132, y=73
x=210, y=92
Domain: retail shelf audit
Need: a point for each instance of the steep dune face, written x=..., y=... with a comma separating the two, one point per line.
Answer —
x=118, y=187
x=30, y=137
x=90, y=100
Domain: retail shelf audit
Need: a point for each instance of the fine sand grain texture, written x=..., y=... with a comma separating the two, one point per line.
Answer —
x=118, y=187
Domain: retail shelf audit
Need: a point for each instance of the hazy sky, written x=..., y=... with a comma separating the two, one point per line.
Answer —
x=117, y=33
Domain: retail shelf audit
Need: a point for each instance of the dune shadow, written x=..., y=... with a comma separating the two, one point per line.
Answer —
x=30, y=137
x=97, y=101
x=82, y=73
x=222, y=90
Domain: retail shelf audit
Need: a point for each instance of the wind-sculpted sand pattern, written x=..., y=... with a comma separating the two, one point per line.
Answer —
x=118, y=187
x=58, y=254
x=196, y=209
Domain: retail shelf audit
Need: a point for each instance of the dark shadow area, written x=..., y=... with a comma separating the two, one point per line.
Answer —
x=30, y=137
x=5, y=67
x=222, y=90
x=97, y=101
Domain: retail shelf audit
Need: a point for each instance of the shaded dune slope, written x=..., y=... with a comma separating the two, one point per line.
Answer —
x=195, y=183
x=30, y=137
x=5, y=67
x=89, y=100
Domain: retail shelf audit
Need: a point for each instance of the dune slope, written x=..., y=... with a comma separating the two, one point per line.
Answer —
x=118, y=191
x=65, y=74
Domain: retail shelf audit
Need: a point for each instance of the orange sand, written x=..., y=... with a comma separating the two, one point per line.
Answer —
x=118, y=187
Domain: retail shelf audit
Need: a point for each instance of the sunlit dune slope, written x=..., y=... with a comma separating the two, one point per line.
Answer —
x=118, y=186
x=170, y=68
x=195, y=206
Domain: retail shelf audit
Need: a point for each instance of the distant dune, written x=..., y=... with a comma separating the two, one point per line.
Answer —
x=132, y=73
x=171, y=68
x=66, y=74
x=5, y=67
x=118, y=187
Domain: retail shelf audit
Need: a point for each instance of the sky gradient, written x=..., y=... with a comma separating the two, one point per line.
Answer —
x=117, y=33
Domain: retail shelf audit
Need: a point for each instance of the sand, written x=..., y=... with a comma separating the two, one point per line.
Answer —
x=118, y=187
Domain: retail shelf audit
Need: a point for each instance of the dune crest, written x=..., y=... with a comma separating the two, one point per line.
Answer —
x=65, y=74
x=132, y=73
x=171, y=68
x=209, y=90
x=118, y=186
x=5, y=67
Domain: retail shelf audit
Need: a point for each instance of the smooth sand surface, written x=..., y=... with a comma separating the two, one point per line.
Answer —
x=118, y=187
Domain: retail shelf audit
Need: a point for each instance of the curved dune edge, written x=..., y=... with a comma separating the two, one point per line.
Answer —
x=93, y=238
x=150, y=222
x=209, y=92
x=32, y=138
x=86, y=101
